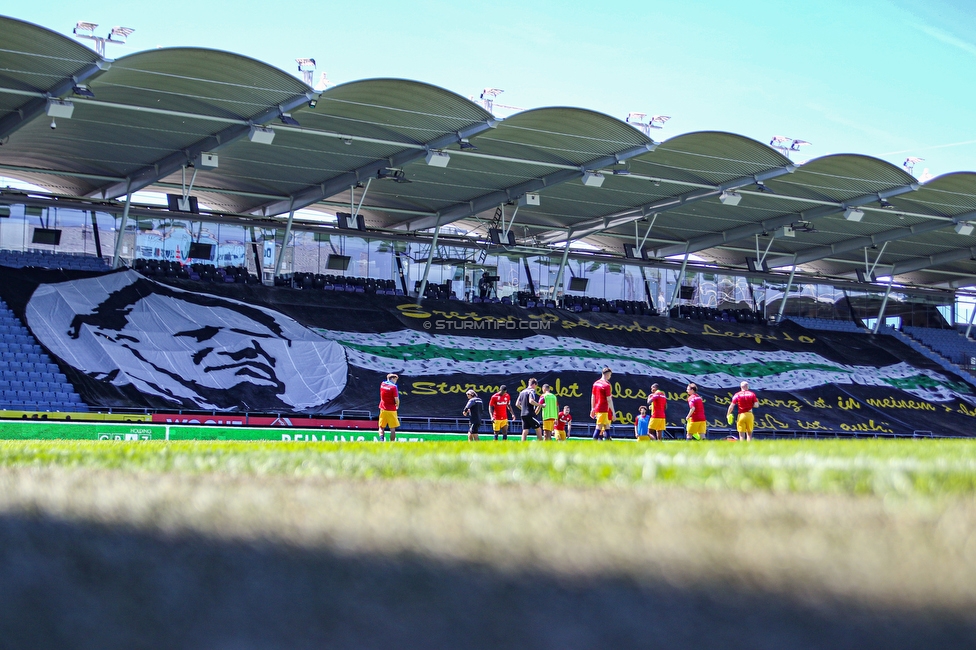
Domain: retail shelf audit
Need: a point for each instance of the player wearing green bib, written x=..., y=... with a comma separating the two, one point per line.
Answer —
x=549, y=407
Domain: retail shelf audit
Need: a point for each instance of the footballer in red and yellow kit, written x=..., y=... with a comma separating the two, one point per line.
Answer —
x=659, y=403
x=745, y=400
x=500, y=408
x=697, y=426
x=601, y=405
x=389, y=403
x=563, y=424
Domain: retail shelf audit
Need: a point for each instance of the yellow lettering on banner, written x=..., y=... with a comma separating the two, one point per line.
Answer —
x=790, y=404
x=869, y=426
x=413, y=311
x=965, y=410
x=568, y=391
x=848, y=405
x=767, y=421
x=619, y=392
x=893, y=403
x=422, y=388
x=818, y=403
x=623, y=418
x=708, y=330
x=815, y=425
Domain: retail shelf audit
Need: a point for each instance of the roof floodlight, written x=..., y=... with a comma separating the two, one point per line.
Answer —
x=885, y=204
x=965, y=228
x=261, y=134
x=853, y=214
x=286, y=118
x=761, y=187
x=392, y=174
x=83, y=91
x=730, y=198
x=593, y=179
x=312, y=102
x=437, y=158
x=307, y=68
x=466, y=145
x=120, y=33
x=347, y=141
x=621, y=172
x=60, y=108
x=208, y=159
x=84, y=26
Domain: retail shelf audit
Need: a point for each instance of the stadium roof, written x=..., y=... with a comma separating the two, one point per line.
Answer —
x=138, y=121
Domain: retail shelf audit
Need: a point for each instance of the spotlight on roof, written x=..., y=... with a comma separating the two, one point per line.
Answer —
x=761, y=187
x=910, y=163
x=83, y=91
x=621, y=172
x=60, y=108
x=730, y=198
x=83, y=26
x=347, y=141
x=965, y=228
x=261, y=134
x=853, y=214
x=466, y=145
x=437, y=158
x=885, y=204
x=288, y=119
x=119, y=34
x=312, y=102
x=395, y=175
x=593, y=179
x=307, y=68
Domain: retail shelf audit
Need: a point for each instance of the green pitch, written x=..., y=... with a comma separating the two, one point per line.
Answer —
x=929, y=468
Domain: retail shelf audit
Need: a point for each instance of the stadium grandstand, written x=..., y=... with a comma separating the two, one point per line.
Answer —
x=179, y=195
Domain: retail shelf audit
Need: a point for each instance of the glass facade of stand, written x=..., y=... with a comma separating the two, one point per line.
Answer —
x=169, y=238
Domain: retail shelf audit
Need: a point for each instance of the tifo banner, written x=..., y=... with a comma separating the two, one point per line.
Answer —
x=127, y=341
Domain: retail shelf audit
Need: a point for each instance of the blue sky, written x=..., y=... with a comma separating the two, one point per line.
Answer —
x=887, y=78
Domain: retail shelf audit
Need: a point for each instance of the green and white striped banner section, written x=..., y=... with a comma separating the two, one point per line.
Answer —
x=416, y=354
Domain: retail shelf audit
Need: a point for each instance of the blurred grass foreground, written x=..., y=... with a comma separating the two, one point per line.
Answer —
x=571, y=545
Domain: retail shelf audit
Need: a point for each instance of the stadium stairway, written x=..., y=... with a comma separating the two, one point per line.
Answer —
x=950, y=343
x=929, y=353
x=28, y=379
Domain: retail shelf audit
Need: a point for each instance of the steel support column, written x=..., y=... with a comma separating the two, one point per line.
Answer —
x=122, y=225
x=786, y=294
x=284, y=243
x=96, y=236
x=430, y=259
x=972, y=312
x=677, y=284
x=562, y=266
x=884, y=305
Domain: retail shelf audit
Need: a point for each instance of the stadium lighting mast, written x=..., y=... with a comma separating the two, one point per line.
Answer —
x=307, y=68
x=787, y=145
x=637, y=120
x=117, y=35
x=910, y=163
x=487, y=99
